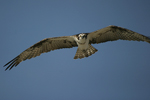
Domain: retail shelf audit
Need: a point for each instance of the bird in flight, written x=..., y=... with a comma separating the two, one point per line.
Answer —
x=83, y=41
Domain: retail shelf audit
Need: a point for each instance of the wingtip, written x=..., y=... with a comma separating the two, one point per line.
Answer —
x=6, y=68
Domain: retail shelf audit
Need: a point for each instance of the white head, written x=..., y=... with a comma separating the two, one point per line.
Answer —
x=82, y=36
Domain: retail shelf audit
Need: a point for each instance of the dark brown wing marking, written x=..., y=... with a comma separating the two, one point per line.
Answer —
x=42, y=46
x=112, y=33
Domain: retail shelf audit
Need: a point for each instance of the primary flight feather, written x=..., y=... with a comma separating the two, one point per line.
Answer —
x=83, y=41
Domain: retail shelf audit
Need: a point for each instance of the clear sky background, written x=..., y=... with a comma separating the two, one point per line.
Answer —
x=120, y=70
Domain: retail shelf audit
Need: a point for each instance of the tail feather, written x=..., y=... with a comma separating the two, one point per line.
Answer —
x=85, y=53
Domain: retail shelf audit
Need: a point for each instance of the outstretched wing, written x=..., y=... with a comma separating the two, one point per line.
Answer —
x=112, y=33
x=43, y=46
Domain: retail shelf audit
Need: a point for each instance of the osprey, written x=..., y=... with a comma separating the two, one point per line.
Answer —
x=83, y=41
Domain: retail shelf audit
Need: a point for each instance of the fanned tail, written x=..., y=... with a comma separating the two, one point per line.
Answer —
x=85, y=53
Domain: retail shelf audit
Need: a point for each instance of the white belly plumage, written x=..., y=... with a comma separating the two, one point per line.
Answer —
x=83, y=44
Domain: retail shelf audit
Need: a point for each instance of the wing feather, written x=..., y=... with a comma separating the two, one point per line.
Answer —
x=42, y=46
x=112, y=33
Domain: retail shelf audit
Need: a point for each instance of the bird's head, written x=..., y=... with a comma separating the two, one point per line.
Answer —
x=82, y=36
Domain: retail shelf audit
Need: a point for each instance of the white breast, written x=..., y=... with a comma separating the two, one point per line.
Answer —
x=82, y=43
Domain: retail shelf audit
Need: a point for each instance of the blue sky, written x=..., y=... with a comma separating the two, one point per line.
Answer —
x=120, y=70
